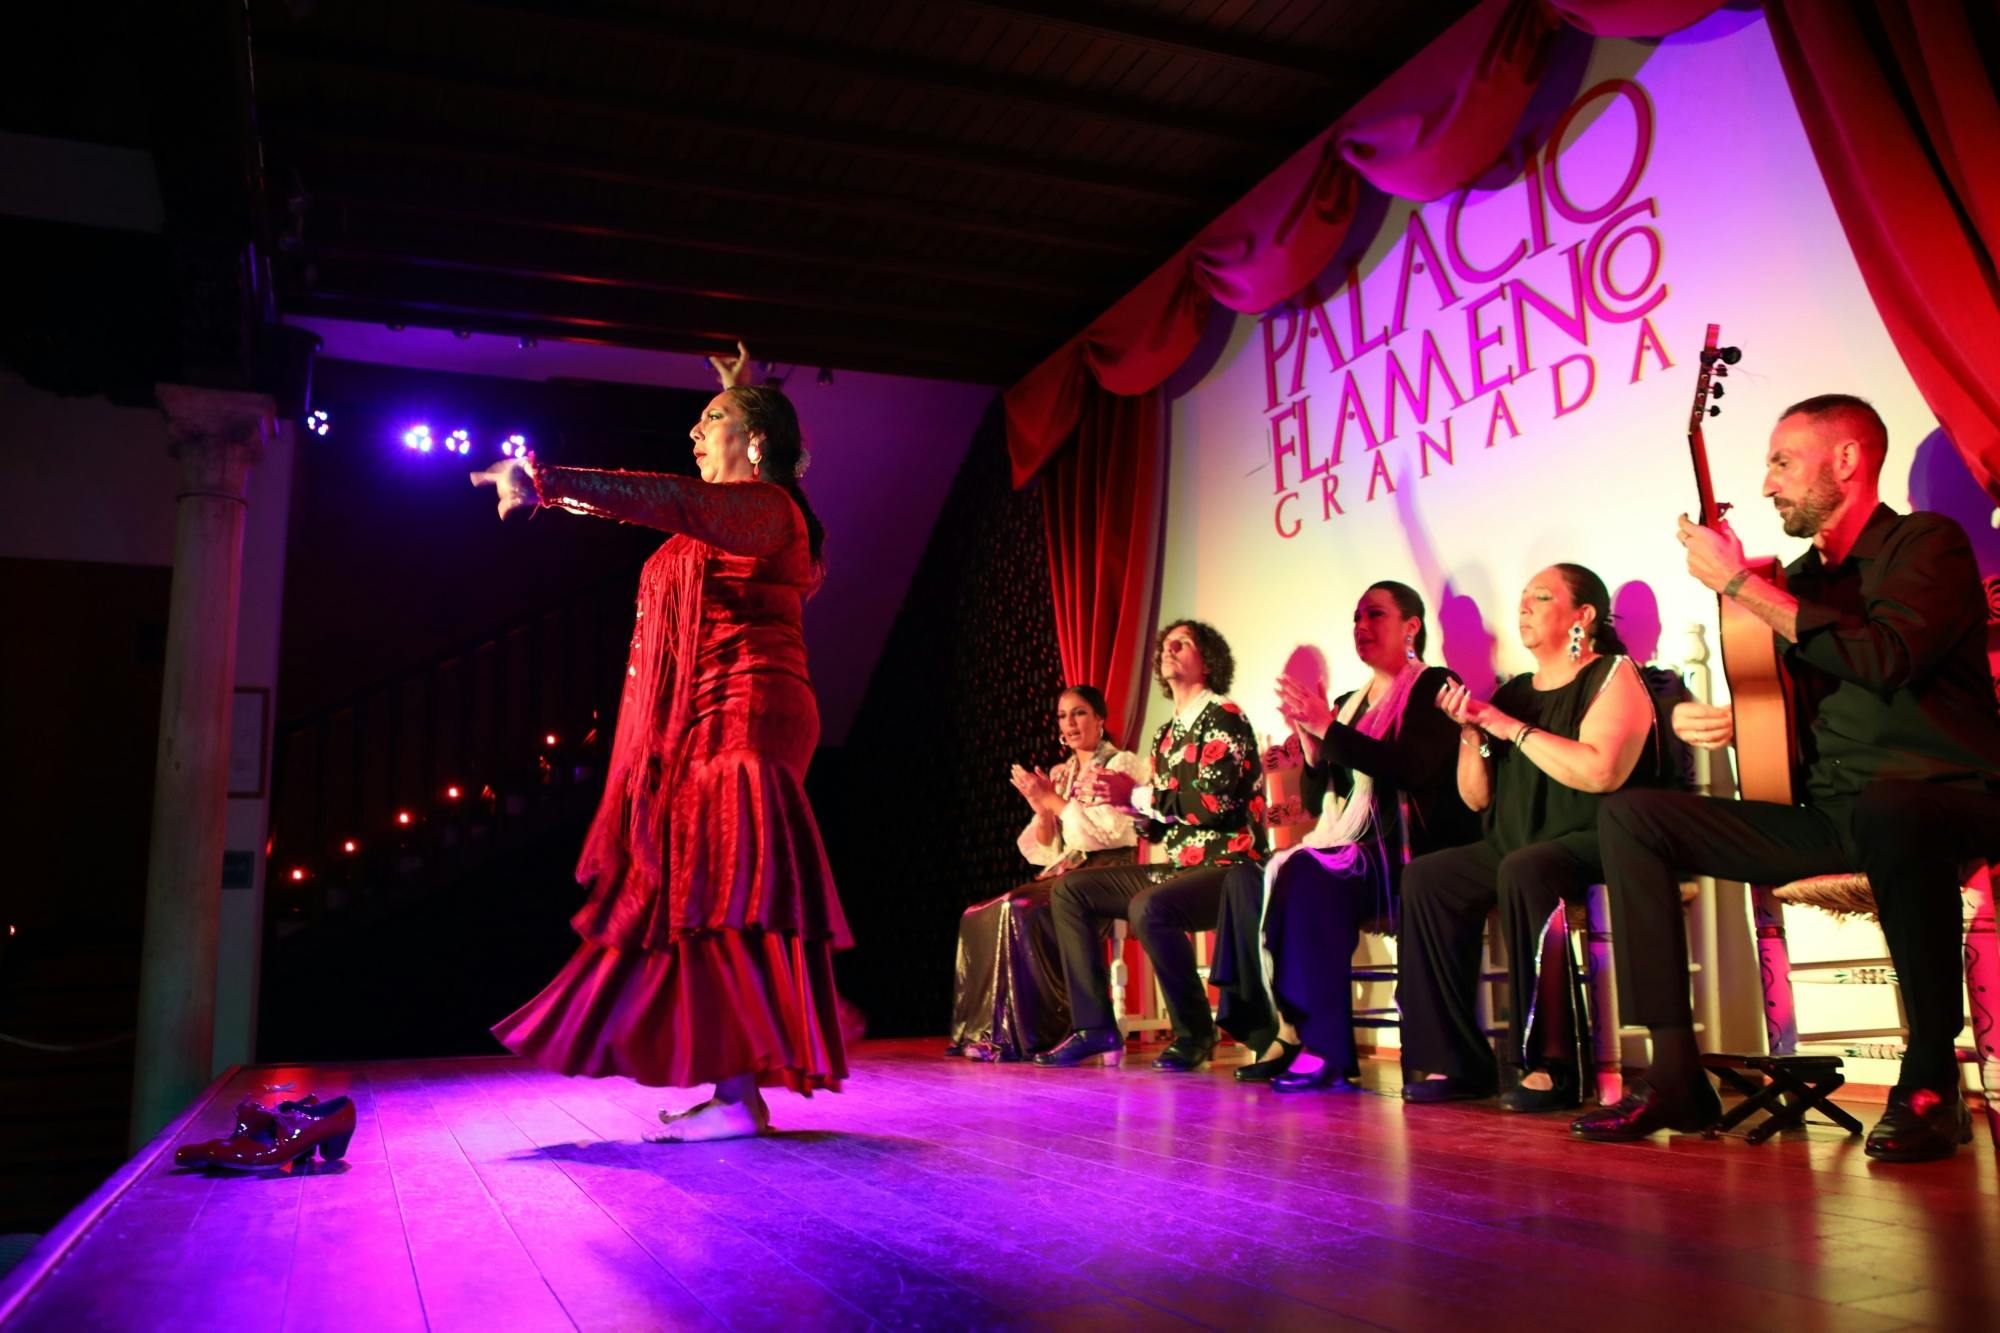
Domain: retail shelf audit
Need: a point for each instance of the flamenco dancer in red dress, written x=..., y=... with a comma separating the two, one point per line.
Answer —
x=709, y=931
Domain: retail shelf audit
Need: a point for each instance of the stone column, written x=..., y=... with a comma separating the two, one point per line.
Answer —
x=217, y=435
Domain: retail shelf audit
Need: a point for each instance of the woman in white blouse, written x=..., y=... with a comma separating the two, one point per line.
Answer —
x=1010, y=1000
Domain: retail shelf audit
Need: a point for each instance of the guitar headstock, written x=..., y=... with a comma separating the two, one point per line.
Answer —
x=1715, y=363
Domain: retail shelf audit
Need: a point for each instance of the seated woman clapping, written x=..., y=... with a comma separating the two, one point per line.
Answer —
x=1011, y=999
x=1380, y=767
x=1537, y=761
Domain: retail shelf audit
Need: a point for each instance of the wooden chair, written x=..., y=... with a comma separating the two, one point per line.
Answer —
x=1851, y=895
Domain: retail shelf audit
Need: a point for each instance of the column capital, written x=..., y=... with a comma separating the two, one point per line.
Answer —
x=217, y=434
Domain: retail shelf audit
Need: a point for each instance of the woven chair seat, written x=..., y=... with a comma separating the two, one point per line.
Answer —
x=1842, y=895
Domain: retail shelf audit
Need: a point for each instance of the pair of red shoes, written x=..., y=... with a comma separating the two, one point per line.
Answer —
x=268, y=1137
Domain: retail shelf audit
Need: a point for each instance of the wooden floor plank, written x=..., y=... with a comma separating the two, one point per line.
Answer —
x=936, y=1193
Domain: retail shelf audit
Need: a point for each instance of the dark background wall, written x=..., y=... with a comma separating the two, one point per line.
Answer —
x=919, y=817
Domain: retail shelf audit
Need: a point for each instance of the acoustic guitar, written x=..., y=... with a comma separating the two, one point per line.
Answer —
x=1760, y=691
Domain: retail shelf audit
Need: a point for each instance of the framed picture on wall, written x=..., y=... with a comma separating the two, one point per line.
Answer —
x=249, y=741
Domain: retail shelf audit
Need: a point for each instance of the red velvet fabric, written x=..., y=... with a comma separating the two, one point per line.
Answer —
x=1436, y=124
x=1101, y=508
x=1903, y=120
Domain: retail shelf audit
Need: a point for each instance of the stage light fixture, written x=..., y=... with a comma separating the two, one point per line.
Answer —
x=515, y=446
x=318, y=423
x=418, y=437
x=298, y=874
x=349, y=847
x=458, y=442
x=549, y=739
x=451, y=793
x=403, y=817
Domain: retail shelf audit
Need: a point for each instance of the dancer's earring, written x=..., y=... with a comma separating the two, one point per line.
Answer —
x=756, y=456
x=1409, y=647
x=1575, y=642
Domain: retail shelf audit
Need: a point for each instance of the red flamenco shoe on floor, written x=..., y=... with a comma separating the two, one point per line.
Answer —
x=253, y=1119
x=296, y=1129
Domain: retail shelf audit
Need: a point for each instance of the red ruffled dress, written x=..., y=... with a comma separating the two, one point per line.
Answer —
x=708, y=935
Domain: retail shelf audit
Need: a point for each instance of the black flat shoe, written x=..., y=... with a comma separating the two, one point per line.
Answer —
x=1080, y=1046
x=1186, y=1055
x=1918, y=1125
x=1646, y=1110
x=1431, y=1091
x=1324, y=1079
x=1263, y=1071
x=1532, y=1101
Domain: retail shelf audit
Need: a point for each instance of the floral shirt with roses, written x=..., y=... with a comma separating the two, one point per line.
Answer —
x=1208, y=805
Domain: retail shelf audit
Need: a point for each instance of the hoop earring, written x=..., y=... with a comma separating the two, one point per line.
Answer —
x=1575, y=642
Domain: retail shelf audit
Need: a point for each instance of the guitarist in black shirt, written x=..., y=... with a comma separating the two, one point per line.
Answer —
x=1882, y=625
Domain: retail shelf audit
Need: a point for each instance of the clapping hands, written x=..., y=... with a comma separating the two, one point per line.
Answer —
x=1303, y=706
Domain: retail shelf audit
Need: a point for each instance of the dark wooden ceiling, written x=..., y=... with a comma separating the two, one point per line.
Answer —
x=928, y=187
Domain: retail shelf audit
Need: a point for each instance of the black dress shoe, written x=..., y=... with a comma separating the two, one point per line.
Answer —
x=1429, y=1091
x=1326, y=1078
x=1080, y=1046
x=1646, y=1110
x=1918, y=1125
x=1185, y=1055
x=1265, y=1070
x=1562, y=1096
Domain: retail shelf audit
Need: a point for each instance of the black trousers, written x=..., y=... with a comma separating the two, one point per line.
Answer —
x=1163, y=905
x=1312, y=926
x=1446, y=898
x=1912, y=840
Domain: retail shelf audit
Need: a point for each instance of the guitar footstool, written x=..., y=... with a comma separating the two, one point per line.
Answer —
x=1791, y=1086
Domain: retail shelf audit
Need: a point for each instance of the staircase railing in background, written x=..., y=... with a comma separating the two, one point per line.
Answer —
x=415, y=780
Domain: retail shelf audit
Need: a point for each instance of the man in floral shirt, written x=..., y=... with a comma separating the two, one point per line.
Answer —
x=1202, y=808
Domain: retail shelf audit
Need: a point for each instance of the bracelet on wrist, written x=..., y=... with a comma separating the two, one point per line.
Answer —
x=1735, y=584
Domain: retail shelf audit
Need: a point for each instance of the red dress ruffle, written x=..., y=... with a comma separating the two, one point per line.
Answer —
x=712, y=917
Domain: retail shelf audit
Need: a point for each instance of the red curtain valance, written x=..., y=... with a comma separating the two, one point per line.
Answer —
x=1434, y=125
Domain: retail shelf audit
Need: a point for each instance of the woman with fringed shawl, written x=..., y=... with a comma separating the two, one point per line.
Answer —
x=1380, y=766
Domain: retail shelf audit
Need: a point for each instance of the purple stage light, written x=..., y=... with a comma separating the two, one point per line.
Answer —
x=318, y=423
x=515, y=446
x=458, y=442
x=418, y=437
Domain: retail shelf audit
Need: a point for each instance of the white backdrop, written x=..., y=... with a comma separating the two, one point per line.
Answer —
x=1576, y=451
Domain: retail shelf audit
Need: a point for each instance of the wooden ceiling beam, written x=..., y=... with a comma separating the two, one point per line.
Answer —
x=375, y=219
x=636, y=173
x=953, y=80
x=932, y=360
x=352, y=217
x=455, y=75
x=1133, y=27
x=474, y=258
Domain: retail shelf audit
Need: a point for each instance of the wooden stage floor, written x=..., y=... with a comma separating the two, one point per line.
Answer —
x=484, y=1194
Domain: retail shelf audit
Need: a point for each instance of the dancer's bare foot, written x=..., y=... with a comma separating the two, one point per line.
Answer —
x=716, y=1120
x=737, y=1111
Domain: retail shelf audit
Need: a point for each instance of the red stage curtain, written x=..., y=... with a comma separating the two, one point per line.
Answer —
x=1901, y=112
x=1101, y=503
x=1434, y=125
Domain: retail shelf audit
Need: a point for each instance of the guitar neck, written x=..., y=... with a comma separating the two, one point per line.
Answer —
x=1697, y=445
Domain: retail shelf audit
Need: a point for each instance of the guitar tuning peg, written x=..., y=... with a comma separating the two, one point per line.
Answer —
x=1730, y=354
x=1722, y=372
x=1714, y=411
x=1715, y=391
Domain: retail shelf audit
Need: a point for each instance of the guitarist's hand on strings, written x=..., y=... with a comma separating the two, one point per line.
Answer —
x=1704, y=726
x=1715, y=555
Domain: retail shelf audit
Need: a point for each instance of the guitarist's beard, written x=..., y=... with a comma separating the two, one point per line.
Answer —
x=1816, y=510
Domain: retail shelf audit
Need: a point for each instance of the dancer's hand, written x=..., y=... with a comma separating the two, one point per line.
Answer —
x=1036, y=789
x=514, y=480
x=734, y=370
